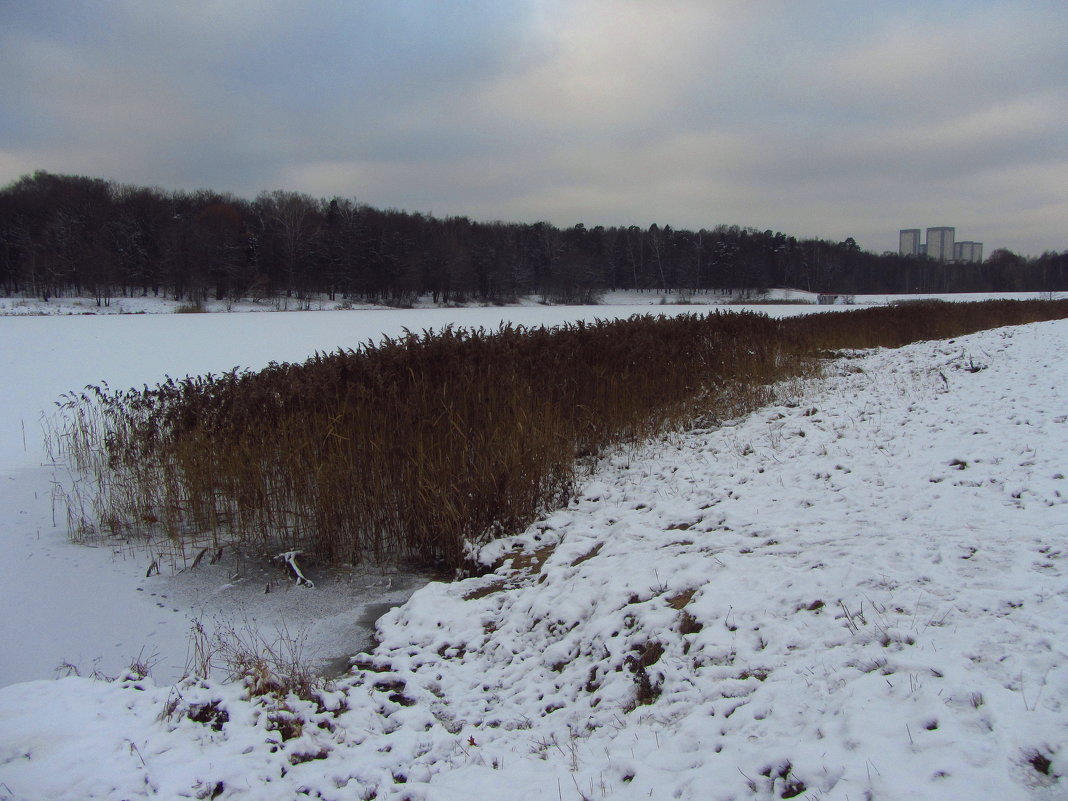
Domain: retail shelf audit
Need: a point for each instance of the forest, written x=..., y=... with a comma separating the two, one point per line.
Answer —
x=83, y=236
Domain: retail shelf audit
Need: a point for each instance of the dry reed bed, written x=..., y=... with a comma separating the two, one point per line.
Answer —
x=424, y=447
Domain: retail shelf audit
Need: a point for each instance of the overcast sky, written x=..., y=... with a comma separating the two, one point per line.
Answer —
x=830, y=119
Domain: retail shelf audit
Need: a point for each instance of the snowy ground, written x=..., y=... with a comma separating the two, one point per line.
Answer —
x=858, y=594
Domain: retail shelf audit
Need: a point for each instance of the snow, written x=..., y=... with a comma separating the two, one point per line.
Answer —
x=857, y=592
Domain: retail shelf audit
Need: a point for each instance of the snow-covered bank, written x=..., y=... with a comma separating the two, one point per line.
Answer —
x=861, y=595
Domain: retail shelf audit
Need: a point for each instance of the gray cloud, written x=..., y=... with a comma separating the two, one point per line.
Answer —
x=819, y=119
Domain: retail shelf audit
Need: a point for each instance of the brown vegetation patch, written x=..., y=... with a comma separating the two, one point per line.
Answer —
x=596, y=549
x=520, y=566
x=688, y=624
x=210, y=714
x=529, y=561
x=301, y=757
x=1040, y=762
x=288, y=724
x=650, y=653
x=760, y=674
x=646, y=692
x=423, y=446
x=683, y=526
x=679, y=601
x=489, y=589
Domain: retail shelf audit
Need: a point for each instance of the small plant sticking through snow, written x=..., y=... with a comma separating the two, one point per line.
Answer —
x=276, y=667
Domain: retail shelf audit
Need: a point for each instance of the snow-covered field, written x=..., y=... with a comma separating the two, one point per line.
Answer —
x=860, y=593
x=57, y=307
x=64, y=306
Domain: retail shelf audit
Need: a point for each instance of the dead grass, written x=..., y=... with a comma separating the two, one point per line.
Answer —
x=680, y=601
x=425, y=447
x=266, y=666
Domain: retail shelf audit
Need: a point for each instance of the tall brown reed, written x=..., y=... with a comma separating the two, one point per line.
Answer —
x=423, y=447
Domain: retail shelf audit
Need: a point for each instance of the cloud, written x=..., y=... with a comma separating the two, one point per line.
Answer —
x=597, y=65
x=823, y=118
x=921, y=66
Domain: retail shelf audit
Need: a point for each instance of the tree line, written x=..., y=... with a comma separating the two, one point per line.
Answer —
x=76, y=235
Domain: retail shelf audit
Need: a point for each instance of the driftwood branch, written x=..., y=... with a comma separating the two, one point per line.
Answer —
x=290, y=560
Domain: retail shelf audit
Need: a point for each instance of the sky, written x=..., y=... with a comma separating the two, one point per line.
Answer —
x=823, y=118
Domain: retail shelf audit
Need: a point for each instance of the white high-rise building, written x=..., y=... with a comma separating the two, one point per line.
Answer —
x=909, y=242
x=971, y=252
x=941, y=246
x=940, y=243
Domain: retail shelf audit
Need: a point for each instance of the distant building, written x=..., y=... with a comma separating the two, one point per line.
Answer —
x=971, y=252
x=940, y=243
x=909, y=242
